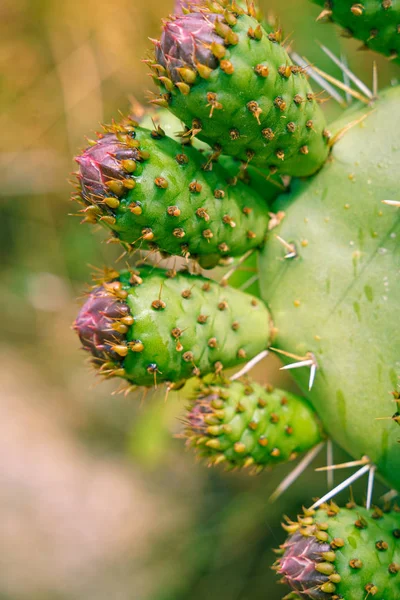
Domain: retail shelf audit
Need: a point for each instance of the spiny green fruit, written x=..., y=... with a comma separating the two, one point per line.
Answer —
x=339, y=298
x=350, y=553
x=375, y=22
x=268, y=186
x=153, y=194
x=243, y=424
x=154, y=325
x=235, y=86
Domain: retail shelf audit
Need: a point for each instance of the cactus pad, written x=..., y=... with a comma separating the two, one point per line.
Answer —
x=234, y=85
x=374, y=22
x=155, y=325
x=339, y=298
x=243, y=424
x=350, y=553
x=153, y=194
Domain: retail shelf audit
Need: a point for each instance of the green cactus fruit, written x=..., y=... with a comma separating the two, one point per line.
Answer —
x=153, y=194
x=152, y=325
x=243, y=424
x=339, y=297
x=374, y=22
x=234, y=86
x=268, y=186
x=350, y=553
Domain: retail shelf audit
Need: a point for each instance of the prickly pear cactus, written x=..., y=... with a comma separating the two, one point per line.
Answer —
x=374, y=22
x=235, y=86
x=243, y=424
x=338, y=298
x=324, y=258
x=337, y=553
x=153, y=325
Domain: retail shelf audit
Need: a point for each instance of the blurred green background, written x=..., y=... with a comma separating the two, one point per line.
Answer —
x=97, y=498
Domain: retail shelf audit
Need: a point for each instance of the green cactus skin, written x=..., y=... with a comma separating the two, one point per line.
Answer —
x=339, y=299
x=375, y=22
x=183, y=325
x=243, y=424
x=268, y=186
x=169, y=202
x=246, y=99
x=350, y=553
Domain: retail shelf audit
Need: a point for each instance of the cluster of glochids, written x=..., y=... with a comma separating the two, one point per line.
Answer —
x=375, y=22
x=249, y=117
x=342, y=553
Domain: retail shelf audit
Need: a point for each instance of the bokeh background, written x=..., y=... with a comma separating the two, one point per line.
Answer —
x=98, y=500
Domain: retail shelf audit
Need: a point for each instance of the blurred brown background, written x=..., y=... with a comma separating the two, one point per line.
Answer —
x=97, y=499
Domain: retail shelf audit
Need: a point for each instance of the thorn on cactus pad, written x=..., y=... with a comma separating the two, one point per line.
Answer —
x=308, y=360
x=395, y=203
x=296, y=473
x=368, y=468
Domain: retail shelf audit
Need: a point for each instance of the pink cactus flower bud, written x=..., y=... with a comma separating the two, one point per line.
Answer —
x=95, y=322
x=297, y=566
x=101, y=164
x=186, y=41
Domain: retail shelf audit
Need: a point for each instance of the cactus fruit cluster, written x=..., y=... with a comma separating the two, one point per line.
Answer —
x=375, y=22
x=233, y=165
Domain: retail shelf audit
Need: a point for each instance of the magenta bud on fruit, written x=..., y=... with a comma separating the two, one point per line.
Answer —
x=180, y=5
x=198, y=413
x=186, y=42
x=298, y=566
x=95, y=325
x=101, y=167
